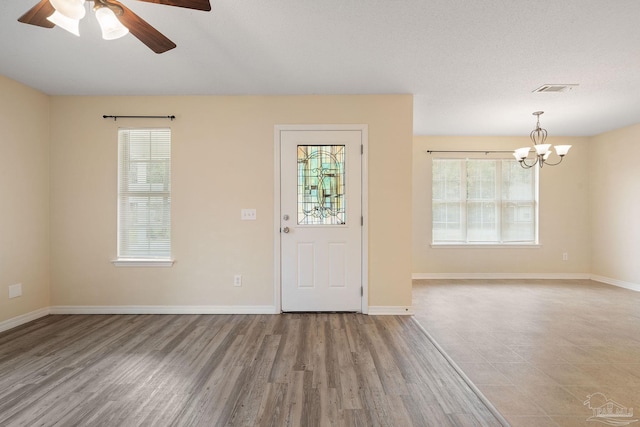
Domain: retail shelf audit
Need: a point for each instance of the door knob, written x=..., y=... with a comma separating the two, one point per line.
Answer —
x=285, y=230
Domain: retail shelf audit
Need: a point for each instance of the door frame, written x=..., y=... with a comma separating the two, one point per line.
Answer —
x=364, y=203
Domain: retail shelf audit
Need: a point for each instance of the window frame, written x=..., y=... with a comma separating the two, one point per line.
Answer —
x=498, y=200
x=149, y=259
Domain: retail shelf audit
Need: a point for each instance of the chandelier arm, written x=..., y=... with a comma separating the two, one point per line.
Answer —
x=556, y=163
x=526, y=165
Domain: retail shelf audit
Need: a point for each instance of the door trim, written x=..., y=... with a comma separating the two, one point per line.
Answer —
x=364, y=201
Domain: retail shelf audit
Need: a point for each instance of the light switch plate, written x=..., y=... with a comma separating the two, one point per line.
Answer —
x=248, y=214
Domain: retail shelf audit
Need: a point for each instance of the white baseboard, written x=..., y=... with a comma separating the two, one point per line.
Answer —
x=257, y=309
x=618, y=283
x=496, y=276
x=232, y=309
x=22, y=319
x=543, y=276
x=391, y=310
x=163, y=309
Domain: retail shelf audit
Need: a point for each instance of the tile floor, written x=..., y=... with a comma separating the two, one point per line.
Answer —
x=538, y=348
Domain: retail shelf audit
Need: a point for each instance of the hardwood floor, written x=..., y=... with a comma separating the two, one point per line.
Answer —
x=236, y=370
x=538, y=348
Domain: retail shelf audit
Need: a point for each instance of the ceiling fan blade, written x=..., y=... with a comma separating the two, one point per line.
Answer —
x=189, y=4
x=143, y=31
x=38, y=15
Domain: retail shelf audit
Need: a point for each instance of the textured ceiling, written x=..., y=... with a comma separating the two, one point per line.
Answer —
x=471, y=65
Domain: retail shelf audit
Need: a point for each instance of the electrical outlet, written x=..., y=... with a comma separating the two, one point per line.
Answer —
x=15, y=290
x=248, y=214
x=565, y=256
x=237, y=280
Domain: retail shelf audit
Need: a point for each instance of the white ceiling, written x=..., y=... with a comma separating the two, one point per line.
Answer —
x=471, y=65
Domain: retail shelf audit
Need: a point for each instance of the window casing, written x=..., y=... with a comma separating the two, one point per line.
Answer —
x=484, y=202
x=144, y=194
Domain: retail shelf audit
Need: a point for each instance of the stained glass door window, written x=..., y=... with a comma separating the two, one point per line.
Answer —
x=321, y=187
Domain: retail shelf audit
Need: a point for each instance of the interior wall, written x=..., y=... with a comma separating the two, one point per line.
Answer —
x=563, y=214
x=223, y=160
x=24, y=195
x=615, y=206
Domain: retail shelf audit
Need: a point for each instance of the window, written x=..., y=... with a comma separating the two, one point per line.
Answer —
x=484, y=201
x=321, y=198
x=144, y=194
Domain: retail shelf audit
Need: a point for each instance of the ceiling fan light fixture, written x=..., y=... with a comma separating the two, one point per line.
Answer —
x=72, y=9
x=115, y=19
x=111, y=27
x=66, y=23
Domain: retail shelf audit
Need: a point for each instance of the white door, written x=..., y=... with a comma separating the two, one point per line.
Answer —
x=320, y=224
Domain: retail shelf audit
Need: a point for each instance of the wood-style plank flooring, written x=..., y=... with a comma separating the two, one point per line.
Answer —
x=236, y=370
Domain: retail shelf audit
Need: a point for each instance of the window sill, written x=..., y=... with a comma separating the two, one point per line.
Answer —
x=487, y=246
x=132, y=262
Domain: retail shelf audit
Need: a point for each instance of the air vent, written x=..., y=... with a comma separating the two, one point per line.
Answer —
x=556, y=88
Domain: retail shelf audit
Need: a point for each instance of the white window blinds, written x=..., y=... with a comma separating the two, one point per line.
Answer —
x=483, y=201
x=144, y=193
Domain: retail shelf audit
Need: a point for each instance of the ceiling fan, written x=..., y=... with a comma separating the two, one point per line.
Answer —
x=115, y=19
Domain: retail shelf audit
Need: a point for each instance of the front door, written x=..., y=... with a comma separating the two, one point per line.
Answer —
x=321, y=220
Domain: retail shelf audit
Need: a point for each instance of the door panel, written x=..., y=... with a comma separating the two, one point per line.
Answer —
x=321, y=207
x=306, y=262
x=337, y=265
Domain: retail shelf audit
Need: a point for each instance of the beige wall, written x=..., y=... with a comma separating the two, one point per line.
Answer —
x=24, y=198
x=58, y=183
x=223, y=160
x=615, y=205
x=564, y=214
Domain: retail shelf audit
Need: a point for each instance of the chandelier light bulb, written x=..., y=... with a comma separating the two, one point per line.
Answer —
x=521, y=153
x=562, y=150
x=541, y=149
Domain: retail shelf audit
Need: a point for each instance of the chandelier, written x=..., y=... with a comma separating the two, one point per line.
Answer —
x=542, y=151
